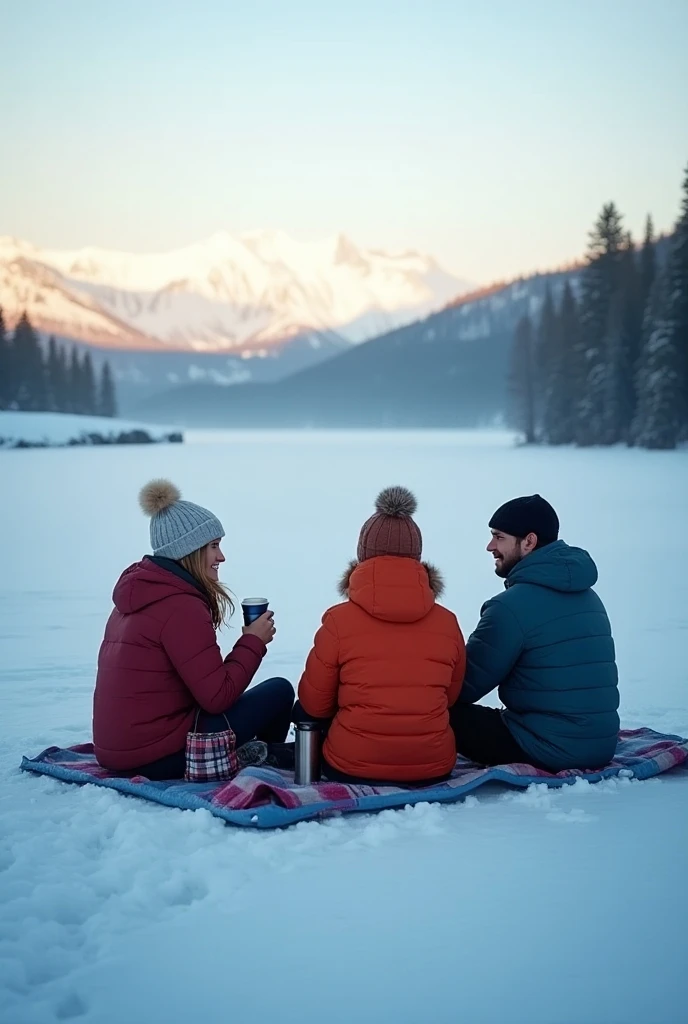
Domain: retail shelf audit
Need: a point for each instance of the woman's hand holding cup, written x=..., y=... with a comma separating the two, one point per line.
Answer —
x=263, y=627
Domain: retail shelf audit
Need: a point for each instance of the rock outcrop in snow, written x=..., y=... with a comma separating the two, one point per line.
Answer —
x=66, y=430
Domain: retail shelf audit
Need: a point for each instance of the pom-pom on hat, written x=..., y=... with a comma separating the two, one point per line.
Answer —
x=391, y=529
x=177, y=527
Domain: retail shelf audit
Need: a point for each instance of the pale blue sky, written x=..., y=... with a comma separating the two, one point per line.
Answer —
x=488, y=133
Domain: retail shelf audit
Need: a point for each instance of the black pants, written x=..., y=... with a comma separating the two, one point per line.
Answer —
x=334, y=775
x=482, y=736
x=263, y=712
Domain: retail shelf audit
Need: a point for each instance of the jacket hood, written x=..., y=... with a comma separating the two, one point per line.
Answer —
x=145, y=583
x=391, y=588
x=556, y=566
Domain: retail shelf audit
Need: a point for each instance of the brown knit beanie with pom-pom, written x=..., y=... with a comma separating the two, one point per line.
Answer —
x=391, y=529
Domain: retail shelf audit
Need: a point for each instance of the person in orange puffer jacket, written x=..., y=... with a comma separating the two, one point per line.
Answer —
x=388, y=663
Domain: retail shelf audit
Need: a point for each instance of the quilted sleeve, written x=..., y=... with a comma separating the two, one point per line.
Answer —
x=492, y=651
x=190, y=643
x=320, y=680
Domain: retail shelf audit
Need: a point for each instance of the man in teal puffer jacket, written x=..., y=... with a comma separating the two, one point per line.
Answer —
x=546, y=643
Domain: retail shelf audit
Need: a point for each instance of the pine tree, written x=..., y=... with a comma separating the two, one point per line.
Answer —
x=648, y=263
x=29, y=368
x=631, y=304
x=74, y=388
x=5, y=366
x=617, y=387
x=677, y=326
x=645, y=278
x=621, y=349
x=658, y=418
x=107, y=402
x=544, y=354
x=53, y=376
x=88, y=386
x=563, y=385
x=600, y=281
x=63, y=397
x=522, y=379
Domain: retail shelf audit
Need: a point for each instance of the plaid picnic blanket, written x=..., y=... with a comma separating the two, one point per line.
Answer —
x=269, y=798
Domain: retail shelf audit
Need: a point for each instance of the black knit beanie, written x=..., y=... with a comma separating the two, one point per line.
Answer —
x=531, y=514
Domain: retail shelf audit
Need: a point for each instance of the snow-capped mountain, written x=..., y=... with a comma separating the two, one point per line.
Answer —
x=248, y=294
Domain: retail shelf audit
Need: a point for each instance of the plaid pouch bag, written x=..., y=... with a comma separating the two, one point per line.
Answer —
x=211, y=756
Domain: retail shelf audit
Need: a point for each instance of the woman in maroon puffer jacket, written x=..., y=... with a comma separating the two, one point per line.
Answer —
x=160, y=664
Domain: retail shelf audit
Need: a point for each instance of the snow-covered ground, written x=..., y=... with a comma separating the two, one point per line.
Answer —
x=535, y=908
x=59, y=428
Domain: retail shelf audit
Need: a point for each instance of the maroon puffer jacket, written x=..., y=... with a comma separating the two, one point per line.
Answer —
x=159, y=662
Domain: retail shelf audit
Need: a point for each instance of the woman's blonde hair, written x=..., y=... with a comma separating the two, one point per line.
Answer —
x=221, y=604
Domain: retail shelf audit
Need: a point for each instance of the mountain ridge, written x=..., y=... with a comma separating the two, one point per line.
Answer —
x=244, y=295
x=447, y=370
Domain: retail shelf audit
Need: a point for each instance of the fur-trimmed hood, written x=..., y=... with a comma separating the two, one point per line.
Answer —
x=435, y=578
x=392, y=588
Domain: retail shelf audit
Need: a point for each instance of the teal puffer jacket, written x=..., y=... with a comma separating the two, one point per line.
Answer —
x=546, y=642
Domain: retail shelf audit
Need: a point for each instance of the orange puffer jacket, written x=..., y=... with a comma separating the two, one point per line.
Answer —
x=387, y=664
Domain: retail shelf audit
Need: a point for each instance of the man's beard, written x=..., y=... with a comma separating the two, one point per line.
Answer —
x=503, y=568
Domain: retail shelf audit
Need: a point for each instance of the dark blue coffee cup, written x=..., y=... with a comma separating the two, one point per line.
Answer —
x=253, y=608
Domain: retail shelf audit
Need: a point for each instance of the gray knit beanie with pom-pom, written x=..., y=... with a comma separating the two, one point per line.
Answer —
x=391, y=529
x=177, y=527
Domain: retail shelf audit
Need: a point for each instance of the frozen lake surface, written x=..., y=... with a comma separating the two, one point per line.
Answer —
x=539, y=907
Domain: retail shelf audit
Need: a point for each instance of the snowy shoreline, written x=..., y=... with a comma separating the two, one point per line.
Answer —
x=62, y=430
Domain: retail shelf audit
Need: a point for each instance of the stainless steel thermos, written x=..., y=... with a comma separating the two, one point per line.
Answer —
x=307, y=752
